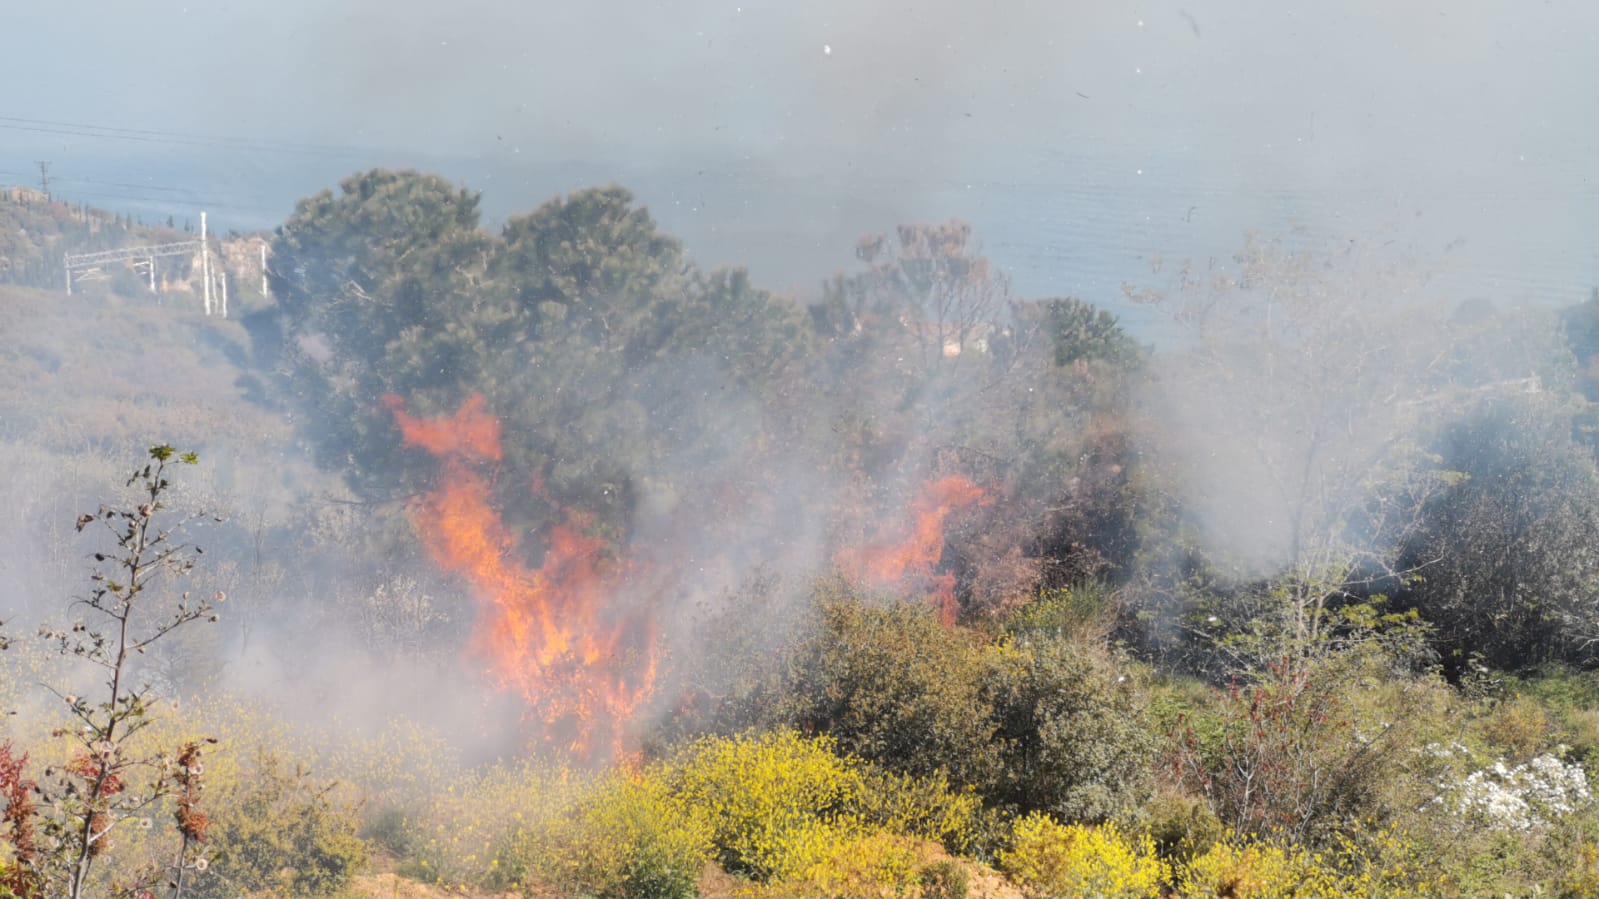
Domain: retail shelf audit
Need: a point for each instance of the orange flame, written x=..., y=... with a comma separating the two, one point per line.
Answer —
x=556, y=633
x=909, y=559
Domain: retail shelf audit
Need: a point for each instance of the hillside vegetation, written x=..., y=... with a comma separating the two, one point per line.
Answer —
x=543, y=562
x=35, y=232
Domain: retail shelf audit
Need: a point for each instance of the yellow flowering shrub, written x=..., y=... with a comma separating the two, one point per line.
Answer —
x=1386, y=865
x=631, y=839
x=924, y=807
x=277, y=831
x=1234, y=869
x=879, y=864
x=1583, y=878
x=1049, y=859
x=776, y=804
x=495, y=827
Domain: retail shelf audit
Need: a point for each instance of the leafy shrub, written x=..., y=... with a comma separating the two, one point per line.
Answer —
x=1569, y=701
x=1507, y=549
x=1031, y=723
x=278, y=833
x=893, y=685
x=631, y=839
x=1049, y=859
x=1313, y=750
x=1581, y=881
x=386, y=831
x=496, y=827
x=1075, y=742
x=1182, y=827
x=776, y=804
x=1086, y=610
x=1519, y=726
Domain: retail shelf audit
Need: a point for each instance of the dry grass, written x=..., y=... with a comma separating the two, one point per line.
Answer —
x=393, y=886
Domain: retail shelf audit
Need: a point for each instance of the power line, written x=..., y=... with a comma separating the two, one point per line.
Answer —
x=174, y=141
x=159, y=202
x=252, y=204
x=189, y=135
x=256, y=206
x=148, y=135
x=58, y=179
x=155, y=187
x=166, y=203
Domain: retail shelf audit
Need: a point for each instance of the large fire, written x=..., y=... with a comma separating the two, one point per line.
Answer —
x=556, y=633
x=908, y=559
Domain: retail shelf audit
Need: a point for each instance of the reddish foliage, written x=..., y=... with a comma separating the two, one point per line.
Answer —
x=99, y=829
x=90, y=770
x=17, y=821
x=192, y=822
x=1283, y=760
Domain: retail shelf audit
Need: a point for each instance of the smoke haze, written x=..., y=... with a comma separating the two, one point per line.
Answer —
x=1080, y=138
x=1090, y=144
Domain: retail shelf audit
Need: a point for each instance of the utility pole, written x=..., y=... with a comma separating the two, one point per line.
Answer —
x=222, y=276
x=205, y=265
x=266, y=291
x=44, y=178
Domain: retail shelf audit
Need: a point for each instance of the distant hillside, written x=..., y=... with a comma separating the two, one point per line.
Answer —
x=100, y=370
x=36, y=232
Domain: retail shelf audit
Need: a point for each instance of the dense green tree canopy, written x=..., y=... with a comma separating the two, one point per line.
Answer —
x=581, y=324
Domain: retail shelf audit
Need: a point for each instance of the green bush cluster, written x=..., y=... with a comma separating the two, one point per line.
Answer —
x=1031, y=721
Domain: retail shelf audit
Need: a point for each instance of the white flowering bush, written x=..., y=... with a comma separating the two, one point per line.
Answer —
x=1520, y=798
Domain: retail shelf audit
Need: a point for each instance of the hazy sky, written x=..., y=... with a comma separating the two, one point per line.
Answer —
x=1496, y=98
x=1462, y=84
